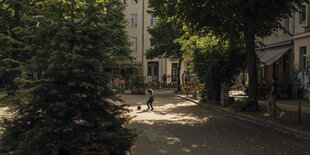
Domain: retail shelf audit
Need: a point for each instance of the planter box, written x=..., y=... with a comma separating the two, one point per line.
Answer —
x=138, y=90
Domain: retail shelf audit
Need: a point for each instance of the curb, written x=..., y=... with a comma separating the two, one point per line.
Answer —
x=297, y=133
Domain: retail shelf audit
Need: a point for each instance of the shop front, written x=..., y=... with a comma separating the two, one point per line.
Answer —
x=277, y=61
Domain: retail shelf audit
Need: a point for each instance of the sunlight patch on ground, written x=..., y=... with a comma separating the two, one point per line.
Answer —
x=163, y=151
x=194, y=146
x=4, y=113
x=173, y=113
x=186, y=150
x=154, y=134
x=173, y=140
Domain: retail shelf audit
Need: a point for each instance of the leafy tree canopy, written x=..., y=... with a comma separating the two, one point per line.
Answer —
x=163, y=42
x=13, y=53
x=215, y=61
x=227, y=18
x=68, y=110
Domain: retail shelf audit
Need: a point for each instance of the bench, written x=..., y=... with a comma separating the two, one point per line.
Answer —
x=187, y=88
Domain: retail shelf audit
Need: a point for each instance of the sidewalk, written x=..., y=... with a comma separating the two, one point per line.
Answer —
x=290, y=105
x=290, y=119
x=287, y=124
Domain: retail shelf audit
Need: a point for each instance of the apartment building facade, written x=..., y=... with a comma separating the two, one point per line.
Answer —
x=287, y=55
x=138, y=21
x=302, y=39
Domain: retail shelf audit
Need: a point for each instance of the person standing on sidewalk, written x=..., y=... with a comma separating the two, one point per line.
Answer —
x=272, y=97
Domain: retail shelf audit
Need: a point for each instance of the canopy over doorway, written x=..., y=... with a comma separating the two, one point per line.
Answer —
x=270, y=56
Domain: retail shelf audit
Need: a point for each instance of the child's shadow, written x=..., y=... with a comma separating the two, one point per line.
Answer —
x=143, y=111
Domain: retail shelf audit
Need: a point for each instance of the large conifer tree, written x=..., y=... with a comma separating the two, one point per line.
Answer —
x=12, y=53
x=68, y=110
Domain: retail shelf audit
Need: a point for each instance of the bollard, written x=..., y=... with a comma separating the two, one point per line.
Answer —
x=299, y=113
x=274, y=109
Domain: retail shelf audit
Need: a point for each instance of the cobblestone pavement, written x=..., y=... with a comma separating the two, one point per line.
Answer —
x=177, y=127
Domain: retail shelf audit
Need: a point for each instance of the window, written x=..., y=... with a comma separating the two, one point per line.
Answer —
x=133, y=44
x=156, y=70
x=175, y=72
x=149, y=71
x=152, y=21
x=303, y=58
x=287, y=23
x=134, y=1
x=152, y=71
x=133, y=20
x=302, y=14
x=286, y=65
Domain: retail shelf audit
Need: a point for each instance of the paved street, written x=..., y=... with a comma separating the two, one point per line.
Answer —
x=177, y=126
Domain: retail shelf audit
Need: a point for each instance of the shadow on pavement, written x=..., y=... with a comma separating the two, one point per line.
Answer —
x=182, y=127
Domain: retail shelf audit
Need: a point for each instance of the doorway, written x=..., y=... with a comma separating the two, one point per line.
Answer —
x=152, y=71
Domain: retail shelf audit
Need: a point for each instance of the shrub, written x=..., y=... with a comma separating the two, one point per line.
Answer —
x=245, y=105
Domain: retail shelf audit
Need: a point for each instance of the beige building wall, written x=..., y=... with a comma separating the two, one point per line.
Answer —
x=135, y=31
x=284, y=66
x=147, y=45
x=279, y=36
x=301, y=39
x=278, y=40
x=300, y=36
x=299, y=27
x=139, y=31
x=298, y=24
x=296, y=27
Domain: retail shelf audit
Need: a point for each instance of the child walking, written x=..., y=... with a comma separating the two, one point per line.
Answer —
x=151, y=99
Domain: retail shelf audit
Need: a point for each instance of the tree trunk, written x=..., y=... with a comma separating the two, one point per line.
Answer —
x=12, y=87
x=179, y=75
x=252, y=68
x=194, y=88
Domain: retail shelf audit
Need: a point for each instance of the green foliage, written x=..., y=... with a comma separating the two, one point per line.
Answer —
x=226, y=16
x=228, y=19
x=137, y=81
x=215, y=62
x=13, y=51
x=163, y=42
x=68, y=111
x=245, y=105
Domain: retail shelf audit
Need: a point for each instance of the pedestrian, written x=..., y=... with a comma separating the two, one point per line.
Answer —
x=150, y=100
x=272, y=98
